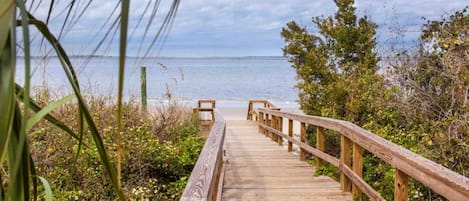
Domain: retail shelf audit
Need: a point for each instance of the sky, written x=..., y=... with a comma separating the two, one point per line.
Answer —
x=234, y=28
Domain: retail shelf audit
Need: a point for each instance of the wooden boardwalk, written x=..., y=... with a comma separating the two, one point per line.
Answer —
x=256, y=168
x=237, y=162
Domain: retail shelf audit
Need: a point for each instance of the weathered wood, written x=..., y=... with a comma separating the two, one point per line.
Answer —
x=319, y=145
x=401, y=186
x=290, y=134
x=273, y=125
x=251, y=111
x=303, y=140
x=357, y=168
x=143, y=86
x=280, y=128
x=326, y=157
x=221, y=178
x=209, y=101
x=361, y=184
x=345, y=182
x=259, y=170
x=203, y=182
x=443, y=181
x=198, y=110
x=206, y=109
x=261, y=121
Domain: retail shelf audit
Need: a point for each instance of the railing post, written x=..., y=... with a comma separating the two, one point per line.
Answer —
x=143, y=86
x=280, y=128
x=290, y=133
x=249, y=111
x=274, y=126
x=345, y=182
x=357, y=168
x=319, y=145
x=303, y=139
x=266, y=123
x=261, y=122
x=400, y=185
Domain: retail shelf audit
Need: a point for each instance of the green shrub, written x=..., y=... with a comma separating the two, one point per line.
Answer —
x=159, y=153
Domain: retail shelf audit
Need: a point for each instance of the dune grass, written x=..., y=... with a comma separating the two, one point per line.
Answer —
x=19, y=112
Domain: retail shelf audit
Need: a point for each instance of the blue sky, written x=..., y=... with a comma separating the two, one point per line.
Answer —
x=206, y=28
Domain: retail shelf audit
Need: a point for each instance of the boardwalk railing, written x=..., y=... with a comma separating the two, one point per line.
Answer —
x=204, y=182
x=406, y=163
x=201, y=107
x=251, y=112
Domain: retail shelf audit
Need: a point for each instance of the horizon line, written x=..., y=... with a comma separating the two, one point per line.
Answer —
x=167, y=57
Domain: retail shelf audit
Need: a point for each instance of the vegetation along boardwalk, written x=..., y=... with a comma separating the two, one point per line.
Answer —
x=244, y=160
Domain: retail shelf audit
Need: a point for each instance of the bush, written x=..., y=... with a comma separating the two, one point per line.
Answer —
x=159, y=153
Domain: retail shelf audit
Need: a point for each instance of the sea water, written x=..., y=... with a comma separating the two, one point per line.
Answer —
x=231, y=81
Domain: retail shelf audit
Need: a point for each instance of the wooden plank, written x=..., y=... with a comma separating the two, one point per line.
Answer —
x=261, y=121
x=260, y=170
x=280, y=128
x=357, y=169
x=273, y=125
x=286, y=194
x=361, y=184
x=203, y=182
x=443, y=181
x=401, y=186
x=220, y=183
x=330, y=159
x=290, y=134
x=319, y=145
x=303, y=140
x=345, y=183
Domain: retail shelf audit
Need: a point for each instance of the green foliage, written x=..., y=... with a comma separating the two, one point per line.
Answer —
x=336, y=68
x=19, y=180
x=156, y=165
x=422, y=106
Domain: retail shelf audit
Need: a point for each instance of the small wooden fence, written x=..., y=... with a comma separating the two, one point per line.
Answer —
x=201, y=108
x=204, y=182
x=252, y=103
x=352, y=137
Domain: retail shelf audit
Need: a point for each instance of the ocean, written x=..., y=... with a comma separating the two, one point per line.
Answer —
x=231, y=81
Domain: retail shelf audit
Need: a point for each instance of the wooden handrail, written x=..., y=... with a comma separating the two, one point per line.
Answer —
x=204, y=181
x=251, y=112
x=202, y=101
x=443, y=181
x=205, y=109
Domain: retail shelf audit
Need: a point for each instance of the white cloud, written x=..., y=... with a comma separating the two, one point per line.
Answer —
x=205, y=25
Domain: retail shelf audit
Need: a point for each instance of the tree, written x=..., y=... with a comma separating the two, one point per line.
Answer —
x=336, y=68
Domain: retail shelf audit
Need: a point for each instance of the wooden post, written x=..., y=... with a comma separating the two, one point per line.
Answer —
x=266, y=123
x=319, y=145
x=357, y=168
x=143, y=86
x=345, y=183
x=280, y=128
x=249, y=111
x=196, y=113
x=290, y=133
x=303, y=139
x=274, y=126
x=400, y=185
x=261, y=122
